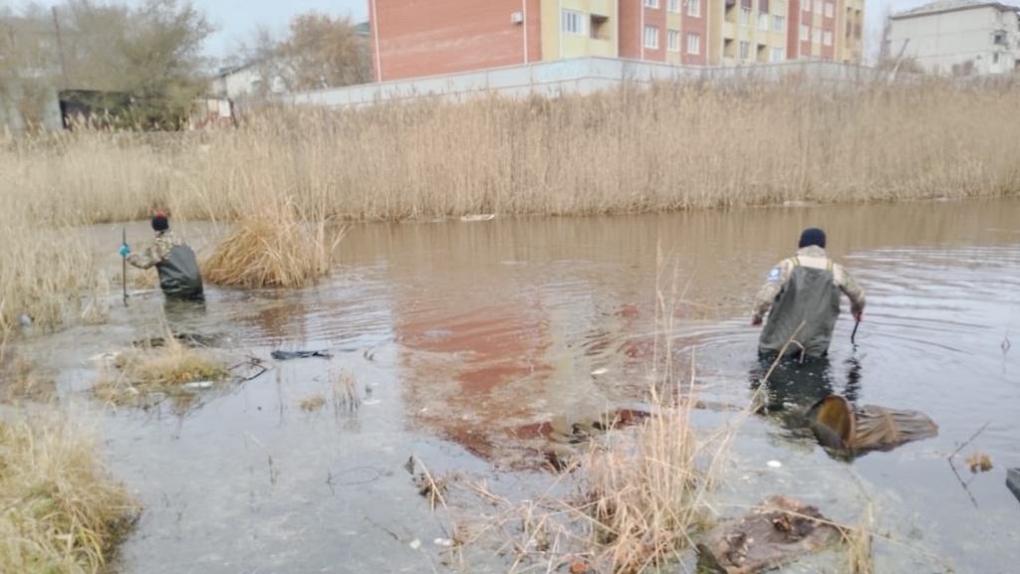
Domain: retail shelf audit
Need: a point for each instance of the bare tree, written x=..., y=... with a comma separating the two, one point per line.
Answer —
x=322, y=51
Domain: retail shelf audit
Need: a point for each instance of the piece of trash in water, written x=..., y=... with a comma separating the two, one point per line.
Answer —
x=598, y=372
x=108, y=358
x=289, y=355
x=415, y=544
x=444, y=542
x=370, y=402
x=979, y=462
x=774, y=464
x=1013, y=481
x=856, y=430
x=776, y=533
x=580, y=567
x=24, y=320
x=478, y=217
x=198, y=385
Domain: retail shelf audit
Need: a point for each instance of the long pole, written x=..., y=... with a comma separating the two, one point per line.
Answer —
x=123, y=273
x=853, y=336
x=60, y=48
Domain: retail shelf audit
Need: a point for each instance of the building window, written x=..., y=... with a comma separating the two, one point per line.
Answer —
x=745, y=50
x=673, y=40
x=827, y=38
x=806, y=6
x=778, y=55
x=778, y=23
x=600, y=27
x=651, y=3
x=816, y=35
x=694, y=8
x=693, y=43
x=651, y=37
x=805, y=33
x=745, y=16
x=763, y=22
x=574, y=23
x=673, y=6
x=999, y=38
x=830, y=10
x=818, y=7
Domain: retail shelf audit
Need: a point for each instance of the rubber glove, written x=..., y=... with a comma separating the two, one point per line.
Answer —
x=124, y=250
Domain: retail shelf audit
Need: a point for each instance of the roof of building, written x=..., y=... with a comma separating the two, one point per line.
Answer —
x=943, y=6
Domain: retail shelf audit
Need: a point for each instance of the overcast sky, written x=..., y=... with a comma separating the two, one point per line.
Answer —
x=236, y=20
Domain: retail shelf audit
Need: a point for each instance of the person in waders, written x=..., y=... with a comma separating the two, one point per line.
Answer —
x=801, y=297
x=179, y=277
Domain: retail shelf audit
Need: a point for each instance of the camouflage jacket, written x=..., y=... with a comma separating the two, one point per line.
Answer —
x=157, y=252
x=811, y=256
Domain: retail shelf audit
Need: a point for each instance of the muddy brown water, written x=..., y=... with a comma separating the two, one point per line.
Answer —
x=457, y=333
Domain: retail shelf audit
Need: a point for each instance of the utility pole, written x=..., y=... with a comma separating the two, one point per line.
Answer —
x=60, y=48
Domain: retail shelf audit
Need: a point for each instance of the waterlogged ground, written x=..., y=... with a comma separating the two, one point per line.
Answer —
x=457, y=333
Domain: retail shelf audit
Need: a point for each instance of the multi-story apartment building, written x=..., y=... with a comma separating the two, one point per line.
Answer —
x=960, y=37
x=412, y=38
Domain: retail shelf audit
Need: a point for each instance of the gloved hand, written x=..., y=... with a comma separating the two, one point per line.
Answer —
x=124, y=250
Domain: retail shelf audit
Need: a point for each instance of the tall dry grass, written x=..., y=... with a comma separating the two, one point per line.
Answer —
x=59, y=510
x=671, y=147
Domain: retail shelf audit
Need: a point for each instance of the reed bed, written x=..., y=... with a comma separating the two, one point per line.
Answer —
x=61, y=512
x=275, y=248
x=632, y=150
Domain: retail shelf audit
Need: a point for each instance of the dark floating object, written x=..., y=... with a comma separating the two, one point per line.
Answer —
x=290, y=355
x=842, y=427
x=1013, y=481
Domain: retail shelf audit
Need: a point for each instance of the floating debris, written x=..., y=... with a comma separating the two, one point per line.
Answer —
x=1013, y=481
x=198, y=385
x=778, y=532
x=840, y=426
x=290, y=355
x=415, y=544
x=979, y=462
x=478, y=217
x=774, y=464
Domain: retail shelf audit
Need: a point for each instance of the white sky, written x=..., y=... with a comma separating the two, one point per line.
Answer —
x=236, y=20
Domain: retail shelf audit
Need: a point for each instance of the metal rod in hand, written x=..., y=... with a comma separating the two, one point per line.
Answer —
x=123, y=273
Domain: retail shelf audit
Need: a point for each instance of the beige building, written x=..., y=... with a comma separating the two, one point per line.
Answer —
x=959, y=37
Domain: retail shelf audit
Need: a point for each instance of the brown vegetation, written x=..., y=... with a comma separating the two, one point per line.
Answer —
x=165, y=369
x=276, y=248
x=61, y=512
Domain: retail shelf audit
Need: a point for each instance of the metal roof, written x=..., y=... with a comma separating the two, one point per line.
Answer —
x=943, y=6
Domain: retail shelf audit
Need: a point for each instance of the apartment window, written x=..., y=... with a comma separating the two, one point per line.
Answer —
x=830, y=10
x=574, y=22
x=999, y=38
x=816, y=35
x=745, y=50
x=693, y=43
x=652, y=3
x=673, y=40
x=600, y=29
x=673, y=6
x=763, y=22
x=818, y=7
x=827, y=38
x=694, y=9
x=805, y=33
x=651, y=37
x=745, y=16
x=806, y=6
x=778, y=55
x=778, y=23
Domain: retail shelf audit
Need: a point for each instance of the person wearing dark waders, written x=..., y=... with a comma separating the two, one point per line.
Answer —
x=801, y=297
x=179, y=277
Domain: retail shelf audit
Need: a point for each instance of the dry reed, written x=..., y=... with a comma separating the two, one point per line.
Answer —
x=670, y=147
x=59, y=510
x=277, y=248
x=163, y=369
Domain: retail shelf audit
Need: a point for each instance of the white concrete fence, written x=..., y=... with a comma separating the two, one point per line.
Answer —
x=574, y=76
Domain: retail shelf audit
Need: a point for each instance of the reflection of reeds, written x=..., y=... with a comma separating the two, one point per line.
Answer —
x=345, y=393
x=858, y=544
x=60, y=510
x=21, y=379
x=277, y=248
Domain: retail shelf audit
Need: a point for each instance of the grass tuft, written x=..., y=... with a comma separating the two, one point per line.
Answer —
x=273, y=250
x=59, y=510
x=163, y=369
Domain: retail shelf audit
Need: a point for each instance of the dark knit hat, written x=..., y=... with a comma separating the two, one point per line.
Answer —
x=160, y=222
x=812, y=236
